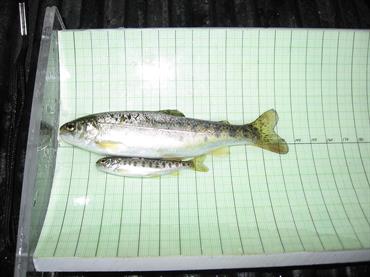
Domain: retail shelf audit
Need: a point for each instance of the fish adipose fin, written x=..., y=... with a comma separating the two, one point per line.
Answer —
x=172, y=112
x=198, y=164
x=267, y=139
x=225, y=122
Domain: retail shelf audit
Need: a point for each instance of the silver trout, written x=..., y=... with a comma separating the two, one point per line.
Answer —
x=167, y=134
x=142, y=167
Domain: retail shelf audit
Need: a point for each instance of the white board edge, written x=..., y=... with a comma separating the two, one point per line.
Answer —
x=176, y=263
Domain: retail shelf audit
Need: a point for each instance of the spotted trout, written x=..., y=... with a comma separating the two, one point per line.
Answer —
x=142, y=167
x=167, y=134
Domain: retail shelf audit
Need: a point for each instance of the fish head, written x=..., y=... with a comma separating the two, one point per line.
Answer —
x=103, y=162
x=79, y=132
x=107, y=164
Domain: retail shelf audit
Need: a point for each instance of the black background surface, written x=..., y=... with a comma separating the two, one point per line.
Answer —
x=15, y=99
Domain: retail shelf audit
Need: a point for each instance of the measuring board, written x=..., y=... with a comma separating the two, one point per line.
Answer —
x=253, y=208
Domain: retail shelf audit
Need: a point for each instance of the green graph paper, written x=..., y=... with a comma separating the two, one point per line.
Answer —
x=252, y=203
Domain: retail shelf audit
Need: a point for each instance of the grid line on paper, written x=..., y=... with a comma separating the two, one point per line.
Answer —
x=340, y=131
x=327, y=147
x=280, y=161
x=367, y=76
x=324, y=125
x=160, y=178
x=295, y=149
x=245, y=150
x=73, y=149
x=263, y=154
x=309, y=132
x=177, y=177
x=142, y=106
x=231, y=175
x=83, y=209
x=124, y=179
x=353, y=111
x=106, y=175
x=89, y=169
x=193, y=110
x=212, y=160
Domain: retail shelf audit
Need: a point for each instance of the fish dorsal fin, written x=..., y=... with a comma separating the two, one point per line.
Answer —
x=172, y=112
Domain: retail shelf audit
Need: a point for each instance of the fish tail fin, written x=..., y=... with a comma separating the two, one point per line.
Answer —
x=198, y=164
x=262, y=129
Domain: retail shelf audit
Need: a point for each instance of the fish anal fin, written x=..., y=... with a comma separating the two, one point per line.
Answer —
x=175, y=173
x=172, y=112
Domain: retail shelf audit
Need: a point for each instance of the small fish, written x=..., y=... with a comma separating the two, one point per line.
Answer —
x=141, y=167
x=167, y=134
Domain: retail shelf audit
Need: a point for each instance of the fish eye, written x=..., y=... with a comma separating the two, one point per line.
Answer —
x=70, y=127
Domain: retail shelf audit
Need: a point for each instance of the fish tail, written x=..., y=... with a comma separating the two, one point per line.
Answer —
x=263, y=134
x=198, y=164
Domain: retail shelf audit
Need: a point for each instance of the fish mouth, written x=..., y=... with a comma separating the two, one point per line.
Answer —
x=63, y=132
x=65, y=135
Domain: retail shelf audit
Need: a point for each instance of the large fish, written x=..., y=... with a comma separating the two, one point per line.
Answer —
x=142, y=167
x=167, y=134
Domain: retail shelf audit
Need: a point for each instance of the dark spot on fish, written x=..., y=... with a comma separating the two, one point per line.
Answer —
x=150, y=164
x=129, y=162
x=217, y=132
x=129, y=116
x=177, y=164
x=183, y=164
x=124, y=162
x=232, y=131
x=144, y=164
x=170, y=164
x=251, y=132
x=135, y=163
x=163, y=164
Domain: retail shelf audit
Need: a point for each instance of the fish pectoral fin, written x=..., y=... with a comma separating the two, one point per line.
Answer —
x=223, y=151
x=108, y=145
x=172, y=112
